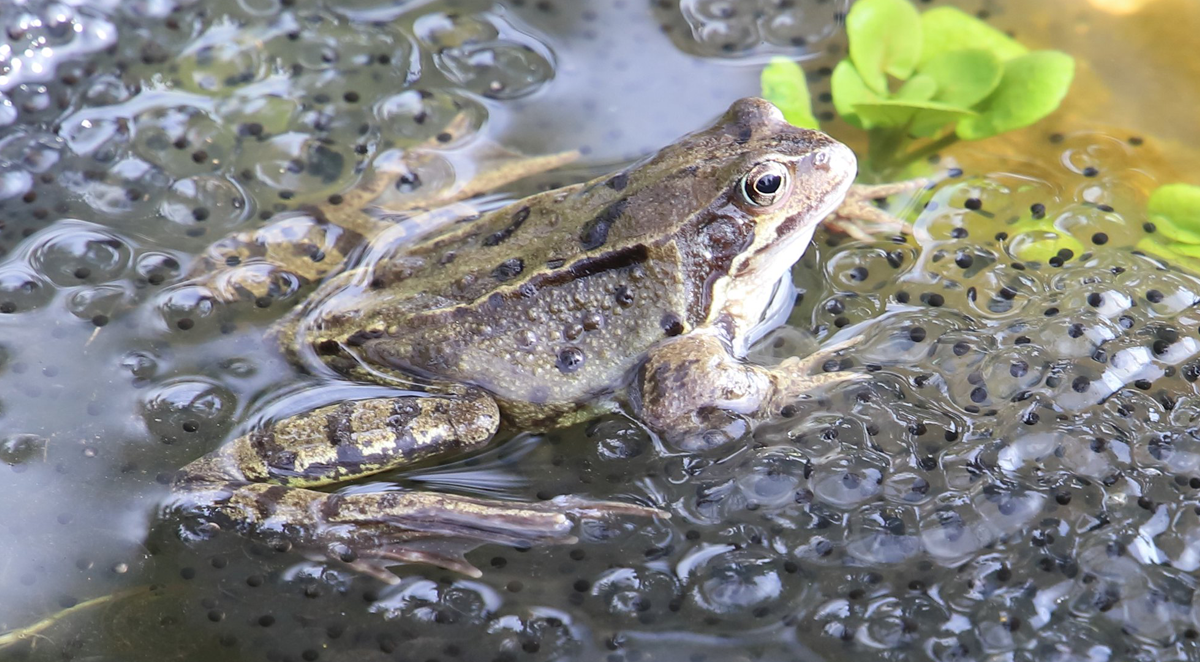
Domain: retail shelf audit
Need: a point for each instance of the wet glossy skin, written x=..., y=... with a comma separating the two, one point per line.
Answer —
x=641, y=287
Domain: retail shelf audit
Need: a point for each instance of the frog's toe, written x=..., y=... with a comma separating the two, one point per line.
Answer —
x=581, y=507
x=448, y=554
x=815, y=362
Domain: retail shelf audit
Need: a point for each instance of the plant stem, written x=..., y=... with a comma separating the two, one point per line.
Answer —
x=882, y=145
x=924, y=152
x=22, y=634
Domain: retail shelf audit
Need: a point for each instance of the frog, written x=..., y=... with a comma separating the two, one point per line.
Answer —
x=639, y=291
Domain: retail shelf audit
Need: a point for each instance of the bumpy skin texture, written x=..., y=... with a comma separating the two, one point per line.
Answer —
x=640, y=286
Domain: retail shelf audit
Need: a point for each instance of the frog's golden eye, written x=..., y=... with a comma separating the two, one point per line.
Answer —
x=765, y=184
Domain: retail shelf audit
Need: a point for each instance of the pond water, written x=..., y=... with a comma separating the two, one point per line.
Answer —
x=1019, y=480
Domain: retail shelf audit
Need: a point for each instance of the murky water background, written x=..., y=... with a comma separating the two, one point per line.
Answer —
x=1019, y=481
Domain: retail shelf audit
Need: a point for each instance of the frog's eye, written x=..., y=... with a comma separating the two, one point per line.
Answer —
x=765, y=184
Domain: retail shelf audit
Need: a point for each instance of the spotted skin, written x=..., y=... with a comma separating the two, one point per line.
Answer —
x=638, y=288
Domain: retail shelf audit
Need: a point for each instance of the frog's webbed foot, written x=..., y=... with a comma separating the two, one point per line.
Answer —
x=273, y=261
x=859, y=217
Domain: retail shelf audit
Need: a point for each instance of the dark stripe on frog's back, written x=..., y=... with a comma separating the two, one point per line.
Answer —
x=552, y=230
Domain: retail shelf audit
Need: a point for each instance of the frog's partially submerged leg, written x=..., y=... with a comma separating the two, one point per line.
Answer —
x=256, y=485
x=858, y=217
x=692, y=390
x=373, y=530
x=309, y=244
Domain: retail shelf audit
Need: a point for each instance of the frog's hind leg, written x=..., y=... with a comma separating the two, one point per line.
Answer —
x=315, y=240
x=257, y=485
x=341, y=442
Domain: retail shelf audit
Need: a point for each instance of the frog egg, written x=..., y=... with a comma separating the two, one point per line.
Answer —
x=184, y=306
x=845, y=482
x=878, y=535
x=143, y=365
x=106, y=91
x=1161, y=293
x=222, y=57
x=484, y=54
x=43, y=37
x=865, y=269
x=204, y=205
x=416, y=115
x=633, y=593
x=1010, y=370
x=294, y=161
x=769, y=481
x=793, y=25
x=22, y=289
x=28, y=152
x=907, y=338
x=843, y=309
x=154, y=269
x=184, y=141
x=900, y=622
x=906, y=487
x=617, y=439
x=17, y=450
x=103, y=139
x=97, y=304
x=721, y=580
x=73, y=252
x=186, y=408
x=1088, y=153
x=437, y=30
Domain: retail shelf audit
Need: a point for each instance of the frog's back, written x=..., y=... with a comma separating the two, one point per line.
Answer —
x=525, y=301
x=555, y=299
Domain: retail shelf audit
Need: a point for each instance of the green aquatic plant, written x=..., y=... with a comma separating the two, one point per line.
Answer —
x=919, y=82
x=1174, y=211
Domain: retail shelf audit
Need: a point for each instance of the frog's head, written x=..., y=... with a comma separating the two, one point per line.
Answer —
x=767, y=186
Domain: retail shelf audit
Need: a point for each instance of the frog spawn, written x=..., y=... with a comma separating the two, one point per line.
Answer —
x=839, y=541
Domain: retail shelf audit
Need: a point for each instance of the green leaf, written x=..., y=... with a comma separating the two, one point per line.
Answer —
x=946, y=29
x=848, y=91
x=963, y=78
x=1174, y=252
x=1186, y=232
x=1032, y=87
x=895, y=113
x=918, y=88
x=885, y=38
x=784, y=85
x=1178, y=202
x=1186, y=250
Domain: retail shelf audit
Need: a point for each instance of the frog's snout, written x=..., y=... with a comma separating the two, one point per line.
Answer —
x=836, y=158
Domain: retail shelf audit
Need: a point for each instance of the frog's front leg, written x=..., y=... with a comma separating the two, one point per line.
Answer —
x=257, y=485
x=696, y=393
x=857, y=216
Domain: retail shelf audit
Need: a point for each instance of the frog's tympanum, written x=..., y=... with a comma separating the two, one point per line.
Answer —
x=640, y=289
